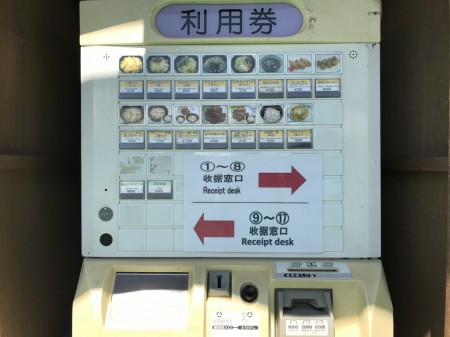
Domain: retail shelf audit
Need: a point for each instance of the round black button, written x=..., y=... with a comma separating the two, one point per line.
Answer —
x=249, y=293
x=106, y=239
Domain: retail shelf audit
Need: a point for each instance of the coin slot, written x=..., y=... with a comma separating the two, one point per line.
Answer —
x=219, y=283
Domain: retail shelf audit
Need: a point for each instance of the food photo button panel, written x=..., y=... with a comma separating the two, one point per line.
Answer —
x=243, y=114
x=187, y=114
x=131, y=114
x=160, y=114
x=159, y=64
x=271, y=114
x=299, y=63
x=186, y=64
x=328, y=63
x=160, y=164
x=131, y=164
x=214, y=64
x=271, y=63
x=159, y=89
x=243, y=64
x=131, y=64
x=214, y=114
x=299, y=112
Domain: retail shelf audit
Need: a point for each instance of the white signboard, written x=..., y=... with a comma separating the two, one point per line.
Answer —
x=253, y=202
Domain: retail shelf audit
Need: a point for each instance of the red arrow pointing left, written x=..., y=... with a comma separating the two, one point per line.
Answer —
x=292, y=180
x=213, y=228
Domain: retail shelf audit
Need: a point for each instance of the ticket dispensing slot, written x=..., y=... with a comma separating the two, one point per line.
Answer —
x=149, y=301
x=304, y=312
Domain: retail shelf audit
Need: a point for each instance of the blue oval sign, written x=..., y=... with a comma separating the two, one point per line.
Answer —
x=237, y=20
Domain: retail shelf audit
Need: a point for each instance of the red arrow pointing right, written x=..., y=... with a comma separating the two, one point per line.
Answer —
x=213, y=228
x=293, y=180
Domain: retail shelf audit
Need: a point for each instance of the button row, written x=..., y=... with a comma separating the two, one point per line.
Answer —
x=215, y=139
x=233, y=89
x=240, y=64
x=221, y=114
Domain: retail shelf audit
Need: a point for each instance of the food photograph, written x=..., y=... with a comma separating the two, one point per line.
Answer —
x=158, y=64
x=131, y=114
x=330, y=63
x=130, y=64
x=214, y=114
x=271, y=114
x=271, y=64
x=243, y=114
x=187, y=114
x=214, y=64
x=186, y=64
x=300, y=63
x=299, y=112
x=243, y=64
x=159, y=114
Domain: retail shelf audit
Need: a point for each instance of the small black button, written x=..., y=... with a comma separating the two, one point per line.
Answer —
x=249, y=293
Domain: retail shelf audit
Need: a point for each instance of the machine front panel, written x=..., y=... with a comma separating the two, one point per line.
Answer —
x=222, y=150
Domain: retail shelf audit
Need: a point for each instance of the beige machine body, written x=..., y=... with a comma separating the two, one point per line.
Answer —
x=231, y=169
x=360, y=299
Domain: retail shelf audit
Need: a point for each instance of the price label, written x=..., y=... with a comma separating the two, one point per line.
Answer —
x=158, y=87
x=187, y=87
x=300, y=139
x=214, y=86
x=266, y=86
x=214, y=137
x=299, y=85
x=132, y=139
x=270, y=88
x=160, y=137
x=243, y=136
x=187, y=139
x=243, y=89
x=159, y=189
x=131, y=189
x=328, y=87
x=271, y=136
x=131, y=136
x=131, y=89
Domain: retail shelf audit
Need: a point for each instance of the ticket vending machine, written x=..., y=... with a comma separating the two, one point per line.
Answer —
x=230, y=169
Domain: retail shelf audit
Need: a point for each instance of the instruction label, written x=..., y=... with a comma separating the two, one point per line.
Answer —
x=307, y=327
x=253, y=202
x=235, y=324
